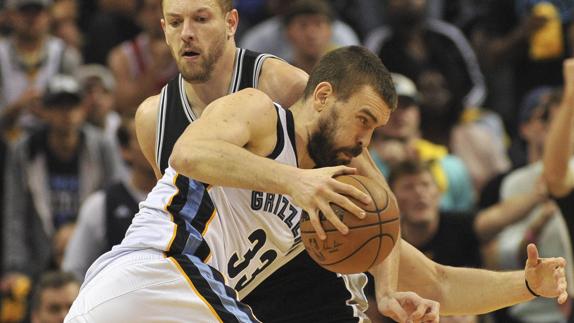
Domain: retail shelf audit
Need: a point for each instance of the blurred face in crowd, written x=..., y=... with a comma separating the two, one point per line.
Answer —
x=418, y=197
x=535, y=129
x=406, y=13
x=98, y=102
x=149, y=17
x=404, y=122
x=55, y=303
x=435, y=94
x=198, y=33
x=64, y=120
x=310, y=34
x=31, y=22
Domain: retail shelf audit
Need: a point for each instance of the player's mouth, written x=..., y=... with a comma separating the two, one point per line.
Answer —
x=190, y=55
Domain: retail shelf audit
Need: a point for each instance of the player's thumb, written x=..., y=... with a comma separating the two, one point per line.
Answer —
x=532, y=252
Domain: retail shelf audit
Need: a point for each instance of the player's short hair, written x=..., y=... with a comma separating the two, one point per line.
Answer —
x=225, y=5
x=350, y=68
x=408, y=167
x=54, y=280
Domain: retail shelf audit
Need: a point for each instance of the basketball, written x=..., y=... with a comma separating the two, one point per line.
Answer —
x=369, y=240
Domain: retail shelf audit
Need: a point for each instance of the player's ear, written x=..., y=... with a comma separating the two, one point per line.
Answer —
x=323, y=92
x=162, y=21
x=231, y=22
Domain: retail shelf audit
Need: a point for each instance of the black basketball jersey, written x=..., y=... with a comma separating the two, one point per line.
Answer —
x=175, y=112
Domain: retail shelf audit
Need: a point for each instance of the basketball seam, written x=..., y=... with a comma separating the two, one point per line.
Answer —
x=380, y=236
x=354, y=227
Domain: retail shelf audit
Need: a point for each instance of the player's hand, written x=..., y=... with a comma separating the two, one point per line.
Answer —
x=409, y=307
x=545, y=276
x=315, y=189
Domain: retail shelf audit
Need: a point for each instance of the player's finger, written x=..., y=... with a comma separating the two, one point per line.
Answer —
x=433, y=311
x=532, y=255
x=351, y=191
x=346, y=204
x=342, y=170
x=563, y=297
x=333, y=218
x=419, y=312
x=395, y=311
x=316, y=223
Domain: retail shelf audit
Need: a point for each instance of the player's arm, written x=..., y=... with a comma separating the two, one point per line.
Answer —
x=146, y=124
x=284, y=83
x=225, y=147
x=466, y=291
x=559, y=141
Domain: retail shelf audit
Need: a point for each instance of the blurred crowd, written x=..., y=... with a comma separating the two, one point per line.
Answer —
x=481, y=98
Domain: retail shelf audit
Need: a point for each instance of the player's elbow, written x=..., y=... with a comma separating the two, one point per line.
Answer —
x=182, y=158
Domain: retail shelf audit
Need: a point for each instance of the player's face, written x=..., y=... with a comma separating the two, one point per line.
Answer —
x=197, y=33
x=345, y=128
x=418, y=197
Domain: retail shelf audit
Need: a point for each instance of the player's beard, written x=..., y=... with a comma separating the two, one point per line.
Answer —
x=322, y=148
x=206, y=66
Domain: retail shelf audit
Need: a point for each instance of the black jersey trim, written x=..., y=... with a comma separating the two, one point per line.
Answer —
x=280, y=135
x=291, y=132
x=184, y=101
x=161, y=126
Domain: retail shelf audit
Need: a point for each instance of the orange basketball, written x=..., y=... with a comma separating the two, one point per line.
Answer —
x=368, y=242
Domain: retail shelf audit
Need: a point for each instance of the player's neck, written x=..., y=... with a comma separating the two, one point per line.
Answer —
x=301, y=116
x=202, y=94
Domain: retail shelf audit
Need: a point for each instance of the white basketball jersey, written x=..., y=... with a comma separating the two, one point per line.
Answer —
x=244, y=234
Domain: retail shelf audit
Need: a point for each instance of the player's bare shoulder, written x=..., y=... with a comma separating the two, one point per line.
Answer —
x=146, y=124
x=283, y=82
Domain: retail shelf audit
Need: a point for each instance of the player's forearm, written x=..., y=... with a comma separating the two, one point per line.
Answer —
x=460, y=291
x=469, y=291
x=386, y=274
x=494, y=219
x=558, y=145
x=220, y=163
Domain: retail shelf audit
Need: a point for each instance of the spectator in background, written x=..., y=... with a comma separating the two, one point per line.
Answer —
x=411, y=43
x=400, y=139
x=98, y=85
x=53, y=297
x=106, y=215
x=506, y=35
x=448, y=238
x=558, y=162
x=64, y=26
x=308, y=24
x=29, y=58
x=49, y=174
x=143, y=65
x=464, y=131
x=543, y=225
x=112, y=23
x=270, y=35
